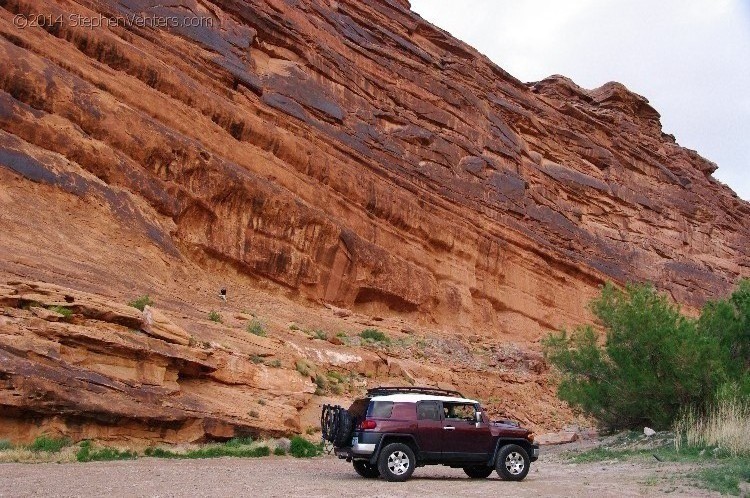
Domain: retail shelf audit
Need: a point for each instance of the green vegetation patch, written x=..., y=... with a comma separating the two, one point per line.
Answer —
x=62, y=310
x=212, y=451
x=86, y=454
x=256, y=327
x=374, y=335
x=655, y=361
x=302, y=448
x=214, y=316
x=49, y=444
x=141, y=302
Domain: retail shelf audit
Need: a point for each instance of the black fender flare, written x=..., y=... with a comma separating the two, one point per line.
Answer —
x=390, y=436
x=523, y=443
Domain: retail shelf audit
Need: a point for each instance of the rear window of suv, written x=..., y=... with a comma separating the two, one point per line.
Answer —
x=380, y=409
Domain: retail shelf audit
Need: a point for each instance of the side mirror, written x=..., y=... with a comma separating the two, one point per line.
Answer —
x=478, y=417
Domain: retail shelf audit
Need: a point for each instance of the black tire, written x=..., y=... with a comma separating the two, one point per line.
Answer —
x=478, y=471
x=366, y=469
x=396, y=462
x=513, y=463
x=343, y=436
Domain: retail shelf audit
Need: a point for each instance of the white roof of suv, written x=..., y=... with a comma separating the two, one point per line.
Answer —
x=414, y=398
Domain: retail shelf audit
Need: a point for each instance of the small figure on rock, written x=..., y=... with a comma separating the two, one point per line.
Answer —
x=223, y=294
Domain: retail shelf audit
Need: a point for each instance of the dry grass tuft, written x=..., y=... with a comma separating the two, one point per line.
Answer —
x=726, y=426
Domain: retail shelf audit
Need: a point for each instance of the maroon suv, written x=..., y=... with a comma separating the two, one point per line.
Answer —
x=393, y=430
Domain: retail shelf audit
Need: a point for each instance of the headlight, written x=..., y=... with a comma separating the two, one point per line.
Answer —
x=530, y=437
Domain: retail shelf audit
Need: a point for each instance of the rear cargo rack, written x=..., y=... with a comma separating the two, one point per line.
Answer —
x=384, y=391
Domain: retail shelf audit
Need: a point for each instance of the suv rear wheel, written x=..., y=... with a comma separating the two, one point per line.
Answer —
x=365, y=469
x=512, y=463
x=478, y=471
x=396, y=462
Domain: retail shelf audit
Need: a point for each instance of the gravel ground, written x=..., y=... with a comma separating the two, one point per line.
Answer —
x=327, y=476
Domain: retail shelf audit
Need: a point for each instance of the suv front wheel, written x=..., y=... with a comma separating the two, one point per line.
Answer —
x=512, y=463
x=396, y=462
x=365, y=469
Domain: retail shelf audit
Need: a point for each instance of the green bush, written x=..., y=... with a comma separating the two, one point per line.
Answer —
x=256, y=327
x=49, y=444
x=274, y=363
x=62, y=310
x=654, y=360
x=141, y=302
x=212, y=451
x=279, y=451
x=302, y=367
x=320, y=334
x=302, y=448
x=374, y=335
x=5, y=445
x=239, y=441
x=86, y=454
x=214, y=316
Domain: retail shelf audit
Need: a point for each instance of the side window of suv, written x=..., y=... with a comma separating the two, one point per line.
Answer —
x=380, y=409
x=459, y=411
x=428, y=410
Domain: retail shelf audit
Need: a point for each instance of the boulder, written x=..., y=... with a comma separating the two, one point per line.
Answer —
x=157, y=325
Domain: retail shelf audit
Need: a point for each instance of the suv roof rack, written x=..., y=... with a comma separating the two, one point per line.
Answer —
x=385, y=390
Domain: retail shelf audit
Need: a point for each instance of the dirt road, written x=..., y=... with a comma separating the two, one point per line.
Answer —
x=327, y=476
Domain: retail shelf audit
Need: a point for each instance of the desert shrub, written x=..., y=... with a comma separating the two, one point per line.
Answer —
x=294, y=326
x=253, y=414
x=49, y=444
x=274, y=363
x=321, y=382
x=302, y=367
x=256, y=358
x=211, y=451
x=256, y=327
x=279, y=451
x=728, y=322
x=214, y=316
x=320, y=334
x=374, y=335
x=653, y=362
x=5, y=445
x=332, y=374
x=302, y=448
x=62, y=310
x=240, y=441
x=141, y=302
x=86, y=454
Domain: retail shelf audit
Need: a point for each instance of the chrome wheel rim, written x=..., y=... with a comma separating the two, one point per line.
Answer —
x=398, y=463
x=514, y=463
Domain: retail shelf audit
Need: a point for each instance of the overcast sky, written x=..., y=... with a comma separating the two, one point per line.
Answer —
x=690, y=58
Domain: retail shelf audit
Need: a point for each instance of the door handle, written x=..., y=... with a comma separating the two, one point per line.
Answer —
x=449, y=428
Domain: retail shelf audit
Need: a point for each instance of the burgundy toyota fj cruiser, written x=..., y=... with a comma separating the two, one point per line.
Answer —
x=393, y=430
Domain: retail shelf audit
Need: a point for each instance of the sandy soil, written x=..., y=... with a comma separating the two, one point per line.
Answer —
x=327, y=476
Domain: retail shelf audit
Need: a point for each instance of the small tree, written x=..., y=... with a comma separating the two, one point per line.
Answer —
x=653, y=362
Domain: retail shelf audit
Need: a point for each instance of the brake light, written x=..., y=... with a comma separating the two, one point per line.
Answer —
x=368, y=424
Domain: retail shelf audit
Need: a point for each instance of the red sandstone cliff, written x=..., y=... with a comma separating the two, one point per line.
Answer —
x=339, y=152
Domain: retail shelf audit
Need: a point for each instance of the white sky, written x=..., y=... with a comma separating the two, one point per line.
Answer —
x=690, y=58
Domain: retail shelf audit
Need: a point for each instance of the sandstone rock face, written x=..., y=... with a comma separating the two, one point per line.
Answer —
x=344, y=152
